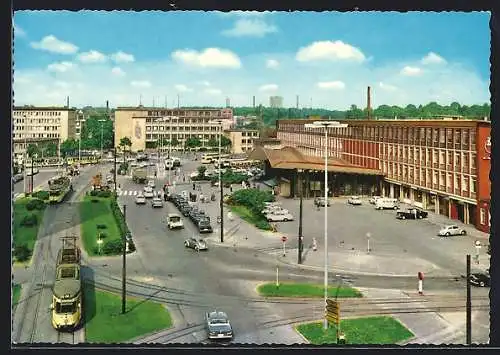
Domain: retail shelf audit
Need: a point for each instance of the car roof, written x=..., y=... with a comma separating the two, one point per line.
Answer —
x=173, y=215
x=217, y=315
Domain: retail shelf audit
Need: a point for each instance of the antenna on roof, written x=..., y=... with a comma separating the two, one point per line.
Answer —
x=140, y=100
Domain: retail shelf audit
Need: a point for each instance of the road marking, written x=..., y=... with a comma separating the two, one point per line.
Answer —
x=124, y=193
x=134, y=193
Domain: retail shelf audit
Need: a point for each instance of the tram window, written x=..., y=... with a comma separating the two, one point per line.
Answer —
x=65, y=307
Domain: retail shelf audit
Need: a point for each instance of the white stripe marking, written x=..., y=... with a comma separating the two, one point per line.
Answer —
x=125, y=193
x=135, y=193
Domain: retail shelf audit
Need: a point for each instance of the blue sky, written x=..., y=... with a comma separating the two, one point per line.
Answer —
x=326, y=58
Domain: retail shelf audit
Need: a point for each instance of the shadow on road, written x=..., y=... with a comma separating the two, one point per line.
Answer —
x=144, y=300
x=89, y=300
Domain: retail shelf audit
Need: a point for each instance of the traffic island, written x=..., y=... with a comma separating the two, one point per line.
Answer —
x=104, y=322
x=303, y=290
x=16, y=293
x=248, y=204
x=102, y=225
x=28, y=216
x=360, y=331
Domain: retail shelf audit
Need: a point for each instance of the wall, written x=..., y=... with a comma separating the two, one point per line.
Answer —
x=483, y=164
x=138, y=134
x=124, y=125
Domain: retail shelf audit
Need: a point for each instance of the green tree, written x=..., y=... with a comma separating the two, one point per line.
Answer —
x=69, y=147
x=32, y=150
x=354, y=113
x=125, y=145
x=91, y=132
x=213, y=142
x=192, y=142
x=201, y=171
x=175, y=142
x=225, y=142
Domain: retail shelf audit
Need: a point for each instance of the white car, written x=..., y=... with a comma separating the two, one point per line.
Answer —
x=157, y=202
x=148, y=188
x=149, y=194
x=279, y=217
x=140, y=199
x=274, y=210
x=151, y=183
x=355, y=201
x=174, y=221
x=373, y=199
x=453, y=229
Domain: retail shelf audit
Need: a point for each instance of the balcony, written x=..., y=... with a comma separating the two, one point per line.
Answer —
x=435, y=165
x=473, y=171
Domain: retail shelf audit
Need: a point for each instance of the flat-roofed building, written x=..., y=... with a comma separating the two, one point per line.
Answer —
x=151, y=127
x=242, y=140
x=33, y=125
x=439, y=165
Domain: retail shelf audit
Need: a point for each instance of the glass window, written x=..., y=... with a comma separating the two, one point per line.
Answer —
x=482, y=216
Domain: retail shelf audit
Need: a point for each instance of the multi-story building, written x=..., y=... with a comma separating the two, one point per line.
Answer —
x=149, y=127
x=33, y=125
x=439, y=165
x=276, y=101
x=241, y=139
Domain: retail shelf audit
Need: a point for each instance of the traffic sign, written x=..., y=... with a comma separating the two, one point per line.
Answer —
x=478, y=243
x=284, y=238
x=331, y=319
x=332, y=311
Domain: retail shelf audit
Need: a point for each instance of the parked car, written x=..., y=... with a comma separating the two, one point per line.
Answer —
x=17, y=178
x=411, y=213
x=174, y=221
x=374, y=199
x=279, y=217
x=276, y=209
x=453, y=229
x=385, y=203
x=157, y=202
x=480, y=279
x=355, y=201
x=320, y=202
x=218, y=326
x=140, y=199
x=204, y=226
x=196, y=244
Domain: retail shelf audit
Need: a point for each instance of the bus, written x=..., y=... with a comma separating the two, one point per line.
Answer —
x=243, y=163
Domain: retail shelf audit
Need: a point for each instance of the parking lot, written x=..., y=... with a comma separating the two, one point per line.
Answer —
x=395, y=241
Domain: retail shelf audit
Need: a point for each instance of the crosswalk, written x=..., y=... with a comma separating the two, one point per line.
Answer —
x=134, y=192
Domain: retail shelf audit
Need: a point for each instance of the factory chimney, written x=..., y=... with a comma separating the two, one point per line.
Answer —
x=254, y=101
x=369, y=103
x=107, y=106
x=67, y=101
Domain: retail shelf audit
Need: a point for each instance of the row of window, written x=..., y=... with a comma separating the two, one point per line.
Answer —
x=180, y=136
x=181, y=128
x=427, y=136
x=35, y=135
x=36, y=113
x=35, y=128
x=162, y=113
x=36, y=121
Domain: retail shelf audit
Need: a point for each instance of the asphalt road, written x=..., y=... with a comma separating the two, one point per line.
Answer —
x=32, y=317
x=414, y=240
x=39, y=179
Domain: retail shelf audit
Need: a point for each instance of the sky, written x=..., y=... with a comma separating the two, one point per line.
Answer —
x=328, y=59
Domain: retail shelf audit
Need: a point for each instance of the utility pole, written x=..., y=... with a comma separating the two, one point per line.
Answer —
x=468, y=306
x=300, y=171
x=221, y=203
x=124, y=264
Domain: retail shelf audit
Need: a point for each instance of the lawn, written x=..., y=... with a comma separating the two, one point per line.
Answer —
x=22, y=234
x=361, y=331
x=16, y=293
x=94, y=215
x=104, y=322
x=247, y=215
x=305, y=290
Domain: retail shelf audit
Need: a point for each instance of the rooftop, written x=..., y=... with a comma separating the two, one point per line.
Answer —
x=46, y=108
x=407, y=122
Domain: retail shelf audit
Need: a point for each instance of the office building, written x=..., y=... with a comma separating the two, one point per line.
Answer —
x=34, y=125
x=276, y=101
x=149, y=127
x=242, y=140
x=438, y=165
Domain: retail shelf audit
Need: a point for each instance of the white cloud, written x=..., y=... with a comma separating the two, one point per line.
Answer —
x=433, y=58
x=52, y=44
x=122, y=57
x=411, y=71
x=182, y=88
x=18, y=31
x=331, y=85
x=268, y=87
x=387, y=87
x=60, y=67
x=205, y=83
x=272, y=63
x=213, y=91
x=250, y=28
x=92, y=57
x=62, y=84
x=329, y=50
x=140, y=83
x=208, y=58
x=117, y=71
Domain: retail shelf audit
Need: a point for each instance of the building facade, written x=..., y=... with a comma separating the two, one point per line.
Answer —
x=276, y=101
x=438, y=165
x=149, y=127
x=242, y=140
x=33, y=125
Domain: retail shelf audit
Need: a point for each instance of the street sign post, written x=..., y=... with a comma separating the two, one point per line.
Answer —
x=332, y=311
x=477, y=244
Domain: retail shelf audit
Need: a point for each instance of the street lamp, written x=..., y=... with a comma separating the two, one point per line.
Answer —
x=221, y=202
x=169, y=119
x=25, y=153
x=80, y=125
x=325, y=125
x=368, y=235
x=300, y=171
x=101, y=120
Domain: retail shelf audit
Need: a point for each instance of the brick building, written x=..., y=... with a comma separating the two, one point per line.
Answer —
x=439, y=165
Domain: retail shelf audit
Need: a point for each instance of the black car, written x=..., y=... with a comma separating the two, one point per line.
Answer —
x=204, y=226
x=480, y=279
x=411, y=213
x=185, y=209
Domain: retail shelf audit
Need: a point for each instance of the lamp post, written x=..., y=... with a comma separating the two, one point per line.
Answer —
x=102, y=127
x=80, y=125
x=368, y=235
x=221, y=202
x=25, y=153
x=325, y=125
x=299, y=261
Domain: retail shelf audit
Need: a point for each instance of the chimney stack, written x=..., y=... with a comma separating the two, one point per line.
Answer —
x=67, y=101
x=369, y=103
x=254, y=101
x=297, y=102
x=107, y=106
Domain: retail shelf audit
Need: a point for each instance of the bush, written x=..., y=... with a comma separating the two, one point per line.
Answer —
x=22, y=252
x=263, y=224
x=253, y=199
x=94, y=193
x=131, y=246
x=29, y=220
x=42, y=195
x=113, y=247
x=119, y=218
x=101, y=226
x=105, y=194
x=35, y=204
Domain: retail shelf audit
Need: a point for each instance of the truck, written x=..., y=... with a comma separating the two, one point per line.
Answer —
x=59, y=187
x=140, y=175
x=98, y=183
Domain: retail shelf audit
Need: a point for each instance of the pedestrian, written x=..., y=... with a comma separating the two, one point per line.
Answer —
x=231, y=188
x=194, y=186
x=230, y=216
